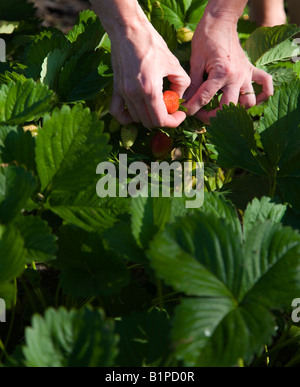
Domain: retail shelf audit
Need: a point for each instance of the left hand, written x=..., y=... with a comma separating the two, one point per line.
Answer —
x=216, y=51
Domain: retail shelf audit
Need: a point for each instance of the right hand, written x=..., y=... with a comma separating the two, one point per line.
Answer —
x=141, y=60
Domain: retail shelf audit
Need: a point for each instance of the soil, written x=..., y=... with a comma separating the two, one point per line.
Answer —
x=61, y=14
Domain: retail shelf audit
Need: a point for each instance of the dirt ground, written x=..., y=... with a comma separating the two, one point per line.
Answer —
x=60, y=13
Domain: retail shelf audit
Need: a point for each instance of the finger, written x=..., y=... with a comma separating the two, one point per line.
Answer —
x=118, y=111
x=137, y=106
x=159, y=115
x=132, y=111
x=266, y=80
x=247, y=96
x=231, y=94
x=179, y=80
x=144, y=114
x=196, y=81
x=174, y=120
x=204, y=95
x=217, y=79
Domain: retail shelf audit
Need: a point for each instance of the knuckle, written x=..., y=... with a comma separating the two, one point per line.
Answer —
x=204, y=98
x=225, y=70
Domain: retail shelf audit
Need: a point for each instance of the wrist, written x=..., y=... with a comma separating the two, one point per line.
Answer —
x=120, y=18
x=217, y=12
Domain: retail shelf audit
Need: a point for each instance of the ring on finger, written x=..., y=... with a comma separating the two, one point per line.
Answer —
x=247, y=92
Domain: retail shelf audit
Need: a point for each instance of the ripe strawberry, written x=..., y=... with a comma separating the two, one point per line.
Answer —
x=161, y=145
x=129, y=134
x=172, y=102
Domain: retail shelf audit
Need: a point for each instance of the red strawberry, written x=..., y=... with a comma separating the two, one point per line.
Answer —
x=171, y=99
x=161, y=145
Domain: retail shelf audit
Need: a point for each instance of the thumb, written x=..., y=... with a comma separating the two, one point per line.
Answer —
x=179, y=82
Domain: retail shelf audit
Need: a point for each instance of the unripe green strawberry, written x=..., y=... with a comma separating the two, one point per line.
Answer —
x=184, y=35
x=161, y=145
x=172, y=102
x=129, y=134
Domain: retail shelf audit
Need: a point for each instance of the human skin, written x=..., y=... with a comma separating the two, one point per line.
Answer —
x=141, y=60
x=267, y=13
x=217, y=53
x=270, y=13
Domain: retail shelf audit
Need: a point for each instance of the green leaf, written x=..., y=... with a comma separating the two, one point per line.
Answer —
x=9, y=72
x=40, y=48
x=199, y=255
x=70, y=339
x=216, y=204
x=52, y=66
x=290, y=187
x=87, y=270
x=213, y=333
x=16, y=188
x=12, y=258
x=144, y=339
x=39, y=243
x=121, y=241
x=243, y=190
x=283, y=52
x=84, y=76
x=24, y=101
x=7, y=293
x=268, y=45
x=195, y=13
x=233, y=135
x=86, y=210
x=232, y=288
x=279, y=128
x=179, y=13
x=86, y=34
x=273, y=277
x=260, y=211
x=68, y=149
x=149, y=215
x=17, y=146
x=281, y=75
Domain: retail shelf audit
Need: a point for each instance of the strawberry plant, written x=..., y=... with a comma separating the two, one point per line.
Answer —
x=117, y=281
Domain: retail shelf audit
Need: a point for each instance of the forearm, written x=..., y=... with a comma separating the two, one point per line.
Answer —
x=117, y=16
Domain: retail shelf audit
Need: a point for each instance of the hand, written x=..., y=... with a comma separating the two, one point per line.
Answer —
x=141, y=60
x=216, y=51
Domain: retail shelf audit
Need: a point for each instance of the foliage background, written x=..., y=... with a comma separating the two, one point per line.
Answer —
x=143, y=282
